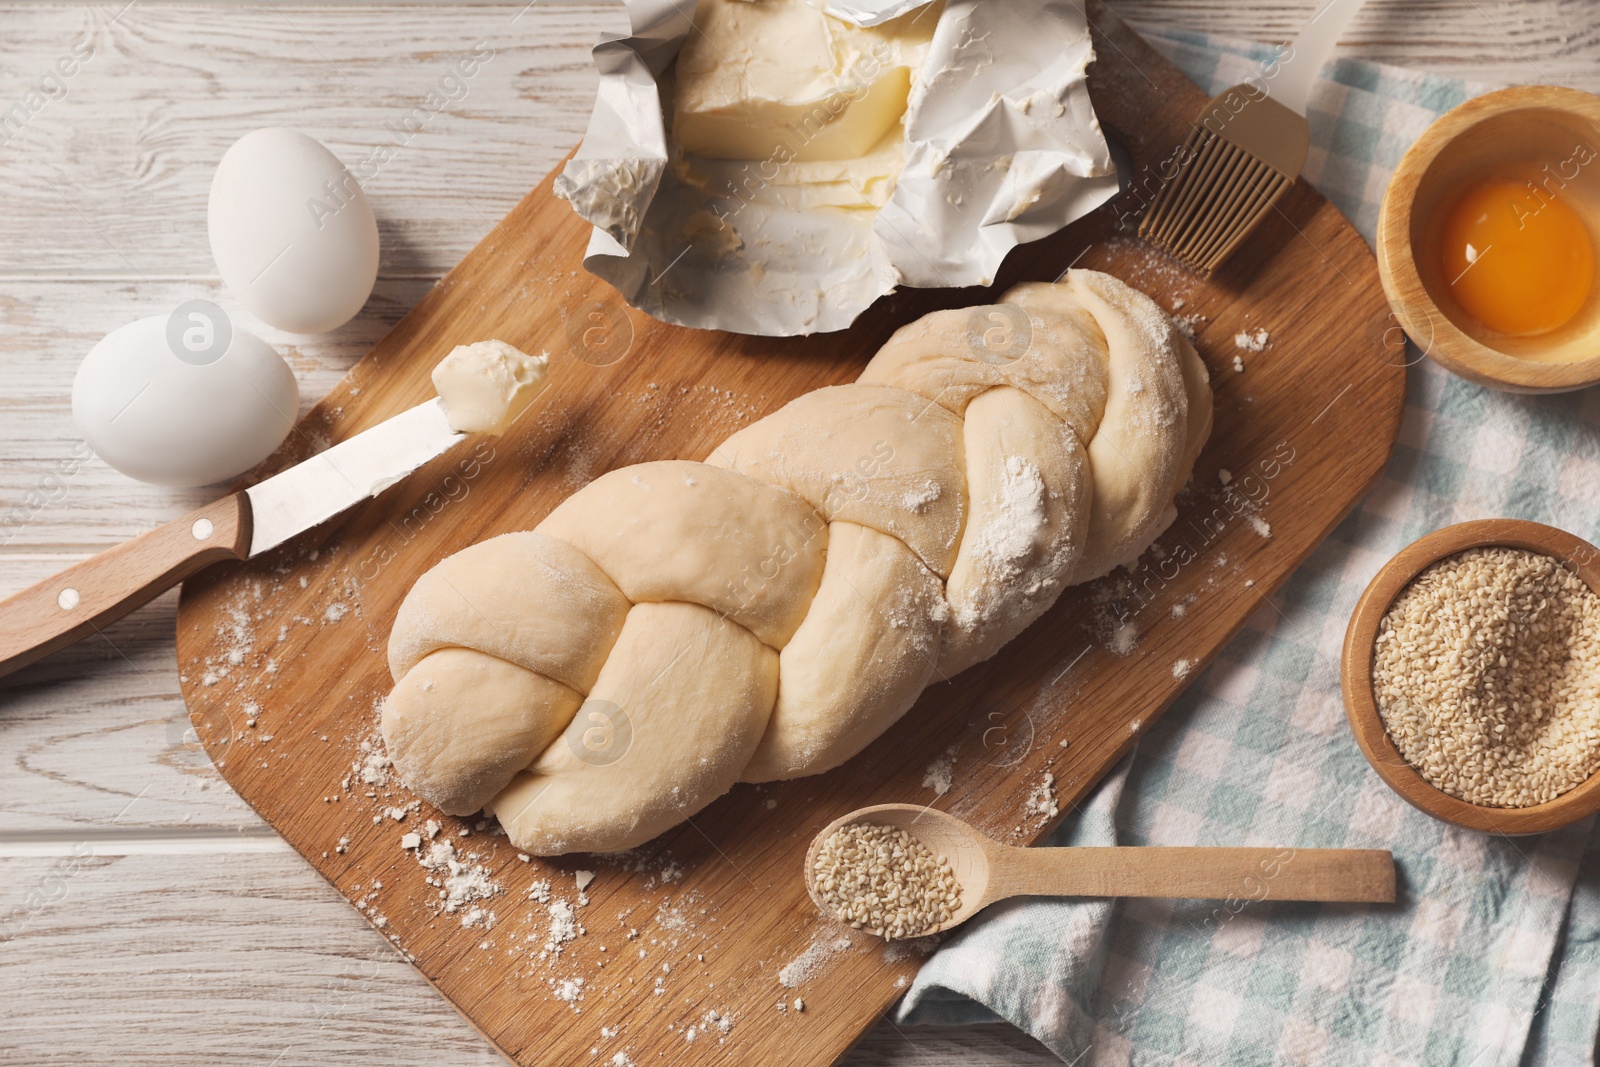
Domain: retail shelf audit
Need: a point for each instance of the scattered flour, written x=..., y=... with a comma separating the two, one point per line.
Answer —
x=940, y=775
x=721, y=1022
x=1125, y=639
x=1252, y=342
x=1002, y=547
x=918, y=500
x=564, y=926
x=1042, y=801
x=816, y=956
x=1259, y=525
x=461, y=881
x=373, y=766
x=1189, y=325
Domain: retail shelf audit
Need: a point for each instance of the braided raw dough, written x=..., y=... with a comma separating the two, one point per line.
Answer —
x=673, y=628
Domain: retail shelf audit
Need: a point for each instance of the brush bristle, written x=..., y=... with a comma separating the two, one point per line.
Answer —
x=1213, y=202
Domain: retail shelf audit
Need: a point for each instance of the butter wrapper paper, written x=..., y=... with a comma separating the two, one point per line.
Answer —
x=1001, y=147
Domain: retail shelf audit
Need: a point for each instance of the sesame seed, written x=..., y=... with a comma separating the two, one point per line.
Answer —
x=1487, y=677
x=882, y=880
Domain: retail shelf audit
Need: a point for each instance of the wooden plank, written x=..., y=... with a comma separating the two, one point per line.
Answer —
x=135, y=137
x=84, y=738
x=165, y=91
x=1514, y=41
x=54, y=495
x=187, y=957
x=190, y=956
x=739, y=912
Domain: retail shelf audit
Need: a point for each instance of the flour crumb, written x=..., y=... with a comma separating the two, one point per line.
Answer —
x=410, y=841
x=1238, y=364
x=539, y=892
x=1042, y=801
x=461, y=880
x=336, y=611
x=1225, y=476
x=1003, y=548
x=1125, y=639
x=919, y=499
x=940, y=774
x=373, y=766
x=1182, y=667
x=1189, y=325
x=1252, y=342
x=583, y=878
x=806, y=965
x=722, y=1022
x=564, y=926
x=1259, y=525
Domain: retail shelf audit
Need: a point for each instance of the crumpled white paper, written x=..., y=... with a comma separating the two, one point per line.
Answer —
x=1002, y=147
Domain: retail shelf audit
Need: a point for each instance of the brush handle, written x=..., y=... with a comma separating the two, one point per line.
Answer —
x=1309, y=53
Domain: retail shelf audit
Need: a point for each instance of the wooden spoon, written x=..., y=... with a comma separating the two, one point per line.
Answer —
x=988, y=871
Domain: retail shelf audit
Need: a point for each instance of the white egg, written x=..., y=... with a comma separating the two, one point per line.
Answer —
x=292, y=232
x=184, y=399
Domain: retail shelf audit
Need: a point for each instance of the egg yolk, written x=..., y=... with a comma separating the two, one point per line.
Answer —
x=1520, y=260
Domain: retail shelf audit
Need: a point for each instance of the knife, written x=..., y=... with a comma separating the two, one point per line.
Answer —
x=81, y=599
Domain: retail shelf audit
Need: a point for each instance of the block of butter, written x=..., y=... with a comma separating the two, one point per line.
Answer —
x=773, y=167
x=781, y=79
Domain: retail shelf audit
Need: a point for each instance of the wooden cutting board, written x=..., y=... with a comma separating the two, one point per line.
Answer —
x=283, y=669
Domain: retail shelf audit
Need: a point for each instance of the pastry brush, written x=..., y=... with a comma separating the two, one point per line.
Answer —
x=1244, y=151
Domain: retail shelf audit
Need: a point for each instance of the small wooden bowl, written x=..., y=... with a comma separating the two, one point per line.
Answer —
x=1505, y=134
x=1361, y=708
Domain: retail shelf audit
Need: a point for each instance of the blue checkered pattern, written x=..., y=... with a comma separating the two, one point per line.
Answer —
x=1492, y=955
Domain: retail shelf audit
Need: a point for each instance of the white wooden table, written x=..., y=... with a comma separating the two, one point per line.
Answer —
x=146, y=916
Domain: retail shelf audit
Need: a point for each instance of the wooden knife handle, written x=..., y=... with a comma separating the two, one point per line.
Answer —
x=86, y=596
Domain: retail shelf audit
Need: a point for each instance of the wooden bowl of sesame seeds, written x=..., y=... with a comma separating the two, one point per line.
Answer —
x=1463, y=755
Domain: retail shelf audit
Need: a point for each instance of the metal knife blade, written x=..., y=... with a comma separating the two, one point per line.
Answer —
x=349, y=472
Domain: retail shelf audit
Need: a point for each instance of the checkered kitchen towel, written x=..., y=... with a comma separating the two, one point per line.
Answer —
x=1493, y=956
